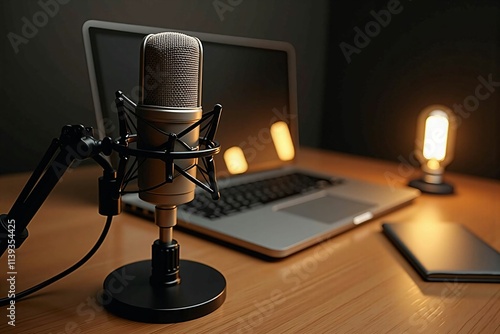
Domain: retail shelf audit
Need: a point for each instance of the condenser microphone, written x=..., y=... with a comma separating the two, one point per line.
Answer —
x=170, y=102
x=166, y=288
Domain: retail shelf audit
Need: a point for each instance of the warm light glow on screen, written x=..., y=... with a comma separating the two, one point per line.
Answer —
x=436, y=135
x=235, y=160
x=282, y=141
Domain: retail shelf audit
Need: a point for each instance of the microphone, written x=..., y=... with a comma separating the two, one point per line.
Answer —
x=170, y=101
x=166, y=289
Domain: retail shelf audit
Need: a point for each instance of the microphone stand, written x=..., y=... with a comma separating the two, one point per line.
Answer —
x=164, y=289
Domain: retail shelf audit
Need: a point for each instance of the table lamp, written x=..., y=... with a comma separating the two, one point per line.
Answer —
x=434, y=148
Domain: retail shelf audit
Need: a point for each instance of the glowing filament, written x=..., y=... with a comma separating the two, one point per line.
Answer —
x=282, y=140
x=436, y=136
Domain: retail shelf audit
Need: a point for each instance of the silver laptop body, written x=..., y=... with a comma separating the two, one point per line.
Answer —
x=255, y=81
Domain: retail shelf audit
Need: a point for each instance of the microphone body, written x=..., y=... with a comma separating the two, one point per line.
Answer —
x=170, y=102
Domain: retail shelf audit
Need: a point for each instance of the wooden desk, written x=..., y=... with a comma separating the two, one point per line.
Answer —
x=355, y=282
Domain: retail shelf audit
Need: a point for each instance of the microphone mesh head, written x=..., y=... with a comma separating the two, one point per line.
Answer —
x=171, y=66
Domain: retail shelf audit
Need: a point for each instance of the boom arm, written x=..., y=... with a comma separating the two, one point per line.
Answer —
x=75, y=143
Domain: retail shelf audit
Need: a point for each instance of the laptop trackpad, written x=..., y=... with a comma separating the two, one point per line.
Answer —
x=328, y=209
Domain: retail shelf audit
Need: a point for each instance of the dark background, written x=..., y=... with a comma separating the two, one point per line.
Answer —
x=430, y=52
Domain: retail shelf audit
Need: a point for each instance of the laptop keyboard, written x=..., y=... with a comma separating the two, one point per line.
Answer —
x=245, y=196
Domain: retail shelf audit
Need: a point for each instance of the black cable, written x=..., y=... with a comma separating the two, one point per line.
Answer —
x=6, y=301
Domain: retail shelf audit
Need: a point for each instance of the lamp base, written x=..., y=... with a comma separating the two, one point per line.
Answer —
x=432, y=188
x=129, y=294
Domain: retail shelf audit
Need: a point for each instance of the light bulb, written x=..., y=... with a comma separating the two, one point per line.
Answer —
x=434, y=147
x=436, y=136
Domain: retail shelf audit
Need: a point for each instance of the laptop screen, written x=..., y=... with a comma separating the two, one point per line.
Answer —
x=251, y=79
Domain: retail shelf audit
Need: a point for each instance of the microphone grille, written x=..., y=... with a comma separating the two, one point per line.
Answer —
x=171, y=65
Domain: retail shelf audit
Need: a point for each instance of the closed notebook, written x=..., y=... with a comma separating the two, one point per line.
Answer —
x=445, y=252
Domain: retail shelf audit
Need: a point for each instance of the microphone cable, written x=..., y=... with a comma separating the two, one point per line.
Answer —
x=6, y=300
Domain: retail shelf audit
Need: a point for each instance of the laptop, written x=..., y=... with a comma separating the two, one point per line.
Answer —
x=268, y=205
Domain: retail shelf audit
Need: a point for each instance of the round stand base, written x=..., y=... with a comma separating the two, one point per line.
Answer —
x=432, y=188
x=129, y=294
